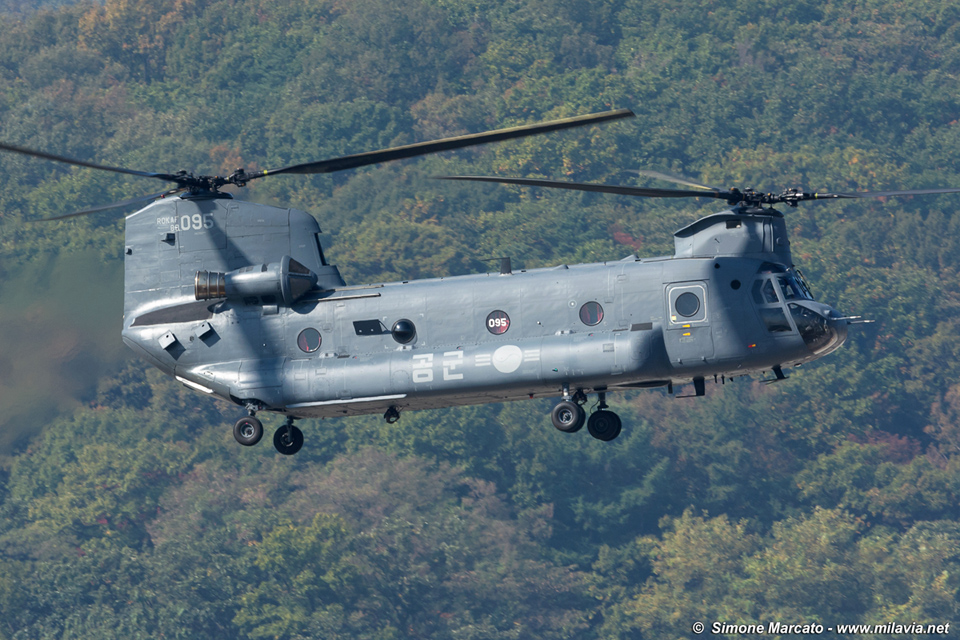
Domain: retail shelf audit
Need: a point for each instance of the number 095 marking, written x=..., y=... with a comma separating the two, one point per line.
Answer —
x=498, y=322
x=196, y=222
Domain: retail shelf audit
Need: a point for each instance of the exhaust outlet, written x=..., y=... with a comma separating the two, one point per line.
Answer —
x=210, y=285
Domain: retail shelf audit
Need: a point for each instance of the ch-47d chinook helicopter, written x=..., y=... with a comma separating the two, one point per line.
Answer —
x=236, y=300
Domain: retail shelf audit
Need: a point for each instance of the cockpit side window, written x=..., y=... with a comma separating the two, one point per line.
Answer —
x=802, y=283
x=775, y=319
x=789, y=288
x=768, y=303
x=323, y=260
x=769, y=267
x=793, y=287
x=764, y=292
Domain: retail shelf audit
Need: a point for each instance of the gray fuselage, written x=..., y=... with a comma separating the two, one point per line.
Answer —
x=338, y=350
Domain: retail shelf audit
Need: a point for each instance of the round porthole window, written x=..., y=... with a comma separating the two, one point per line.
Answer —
x=309, y=340
x=498, y=322
x=404, y=331
x=687, y=304
x=591, y=314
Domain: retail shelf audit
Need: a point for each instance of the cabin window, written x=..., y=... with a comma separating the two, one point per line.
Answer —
x=687, y=304
x=309, y=340
x=498, y=322
x=591, y=314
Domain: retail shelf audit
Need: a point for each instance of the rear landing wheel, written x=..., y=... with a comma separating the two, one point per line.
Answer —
x=288, y=439
x=248, y=431
x=604, y=425
x=391, y=415
x=568, y=416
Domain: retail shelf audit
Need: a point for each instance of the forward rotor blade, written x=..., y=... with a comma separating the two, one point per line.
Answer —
x=598, y=188
x=112, y=205
x=445, y=144
x=82, y=163
x=883, y=194
x=676, y=179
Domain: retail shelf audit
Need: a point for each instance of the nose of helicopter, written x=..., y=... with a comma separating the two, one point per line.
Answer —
x=823, y=328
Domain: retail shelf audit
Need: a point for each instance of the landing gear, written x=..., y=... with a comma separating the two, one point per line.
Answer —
x=604, y=425
x=568, y=416
x=248, y=431
x=288, y=439
x=391, y=415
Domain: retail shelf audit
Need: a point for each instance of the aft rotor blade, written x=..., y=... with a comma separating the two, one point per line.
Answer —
x=83, y=163
x=445, y=144
x=669, y=178
x=598, y=188
x=112, y=205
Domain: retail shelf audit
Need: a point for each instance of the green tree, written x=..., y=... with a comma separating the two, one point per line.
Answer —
x=307, y=574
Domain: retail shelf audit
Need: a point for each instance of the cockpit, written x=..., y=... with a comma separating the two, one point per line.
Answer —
x=785, y=305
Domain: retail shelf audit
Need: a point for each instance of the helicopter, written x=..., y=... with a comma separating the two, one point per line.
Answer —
x=237, y=300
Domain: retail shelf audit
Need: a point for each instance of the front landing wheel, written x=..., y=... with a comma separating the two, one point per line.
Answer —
x=604, y=425
x=248, y=431
x=568, y=416
x=288, y=440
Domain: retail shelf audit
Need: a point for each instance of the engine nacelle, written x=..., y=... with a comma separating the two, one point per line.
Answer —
x=285, y=281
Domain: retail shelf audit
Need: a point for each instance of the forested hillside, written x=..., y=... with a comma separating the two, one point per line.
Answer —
x=127, y=509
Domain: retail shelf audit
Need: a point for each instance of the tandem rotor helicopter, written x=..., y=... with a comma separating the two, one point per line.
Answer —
x=236, y=300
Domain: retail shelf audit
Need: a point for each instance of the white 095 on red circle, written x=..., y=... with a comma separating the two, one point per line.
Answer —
x=498, y=322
